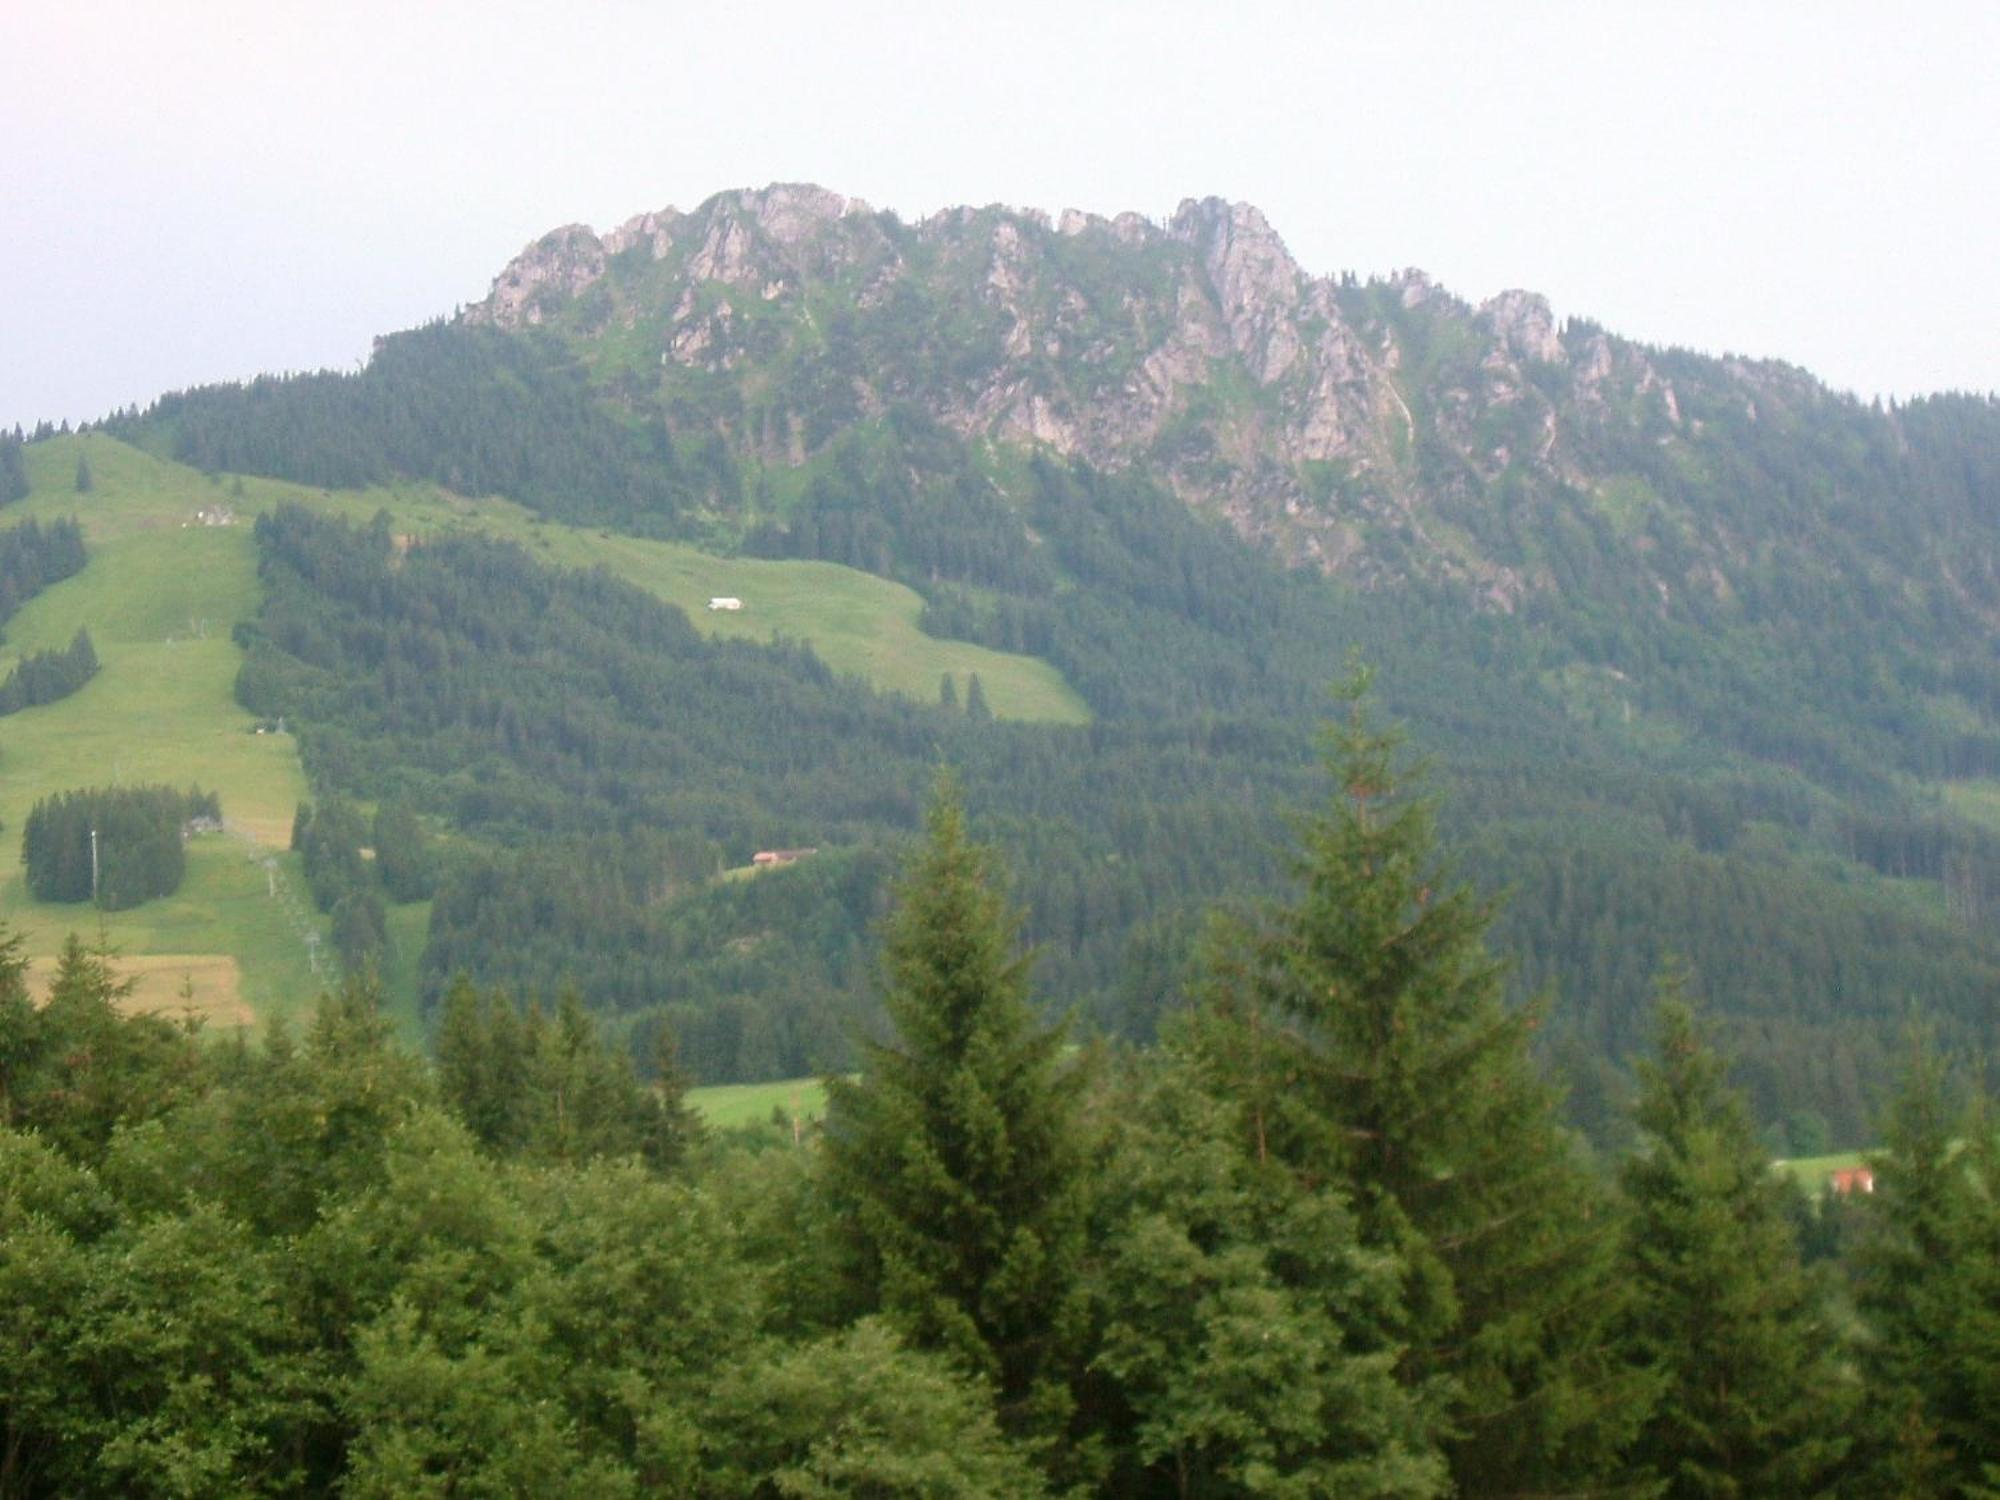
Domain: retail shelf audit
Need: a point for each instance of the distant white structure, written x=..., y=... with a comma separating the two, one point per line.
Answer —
x=725, y=601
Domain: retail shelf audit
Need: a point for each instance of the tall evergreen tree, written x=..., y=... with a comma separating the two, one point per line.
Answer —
x=955, y=1155
x=1364, y=1039
x=1929, y=1296
x=1752, y=1395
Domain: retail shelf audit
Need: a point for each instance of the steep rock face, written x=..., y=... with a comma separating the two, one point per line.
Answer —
x=556, y=267
x=1377, y=429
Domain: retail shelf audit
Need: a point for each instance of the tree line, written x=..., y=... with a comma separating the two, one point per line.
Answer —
x=34, y=556
x=48, y=676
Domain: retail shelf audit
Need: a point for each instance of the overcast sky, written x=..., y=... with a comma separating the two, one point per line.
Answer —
x=205, y=189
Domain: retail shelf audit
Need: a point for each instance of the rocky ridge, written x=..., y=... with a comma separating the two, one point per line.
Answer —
x=1366, y=427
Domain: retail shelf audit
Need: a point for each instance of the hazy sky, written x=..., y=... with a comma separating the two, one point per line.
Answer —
x=204, y=189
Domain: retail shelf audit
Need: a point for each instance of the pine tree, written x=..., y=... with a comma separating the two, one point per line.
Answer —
x=947, y=693
x=84, y=482
x=975, y=701
x=1752, y=1399
x=1929, y=1295
x=1365, y=1041
x=955, y=1155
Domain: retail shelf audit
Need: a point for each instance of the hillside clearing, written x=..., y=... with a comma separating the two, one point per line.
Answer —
x=206, y=987
x=730, y=1105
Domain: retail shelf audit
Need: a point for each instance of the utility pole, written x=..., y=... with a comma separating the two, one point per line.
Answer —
x=93, y=865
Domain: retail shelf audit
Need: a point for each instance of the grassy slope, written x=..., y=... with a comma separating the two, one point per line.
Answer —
x=159, y=598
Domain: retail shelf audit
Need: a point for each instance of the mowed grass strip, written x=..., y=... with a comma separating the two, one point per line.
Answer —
x=204, y=987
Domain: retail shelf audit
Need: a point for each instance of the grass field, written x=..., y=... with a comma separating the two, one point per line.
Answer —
x=206, y=987
x=159, y=599
x=732, y=1104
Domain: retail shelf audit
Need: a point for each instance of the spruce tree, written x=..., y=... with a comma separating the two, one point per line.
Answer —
x=954, y=1157
x=1928, y=1291
x=975, y=701
x=84, y=482
x=1365, y=1041
x=1752, y=1399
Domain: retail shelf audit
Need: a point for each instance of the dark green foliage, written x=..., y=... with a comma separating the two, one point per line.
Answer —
x=955, y=1159
x=1928, y=1290
x=1247, y=1343
x=139, y=843
x=1753, y=1400
x=328, y=837
x=859, y=1413
x=975, y=701
x=84, y=482
x=599, y=762
x=403, y=859
x=550, y=1089
x=46, y=676
x=74, y=1069
x=13, y=472
x=475, y=410
x=1363, y=1041
x=906, y=499
x=569, y=720
x=33, y=556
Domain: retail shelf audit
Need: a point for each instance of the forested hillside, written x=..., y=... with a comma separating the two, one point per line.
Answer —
x=1704, y=650
x=1328, y=1238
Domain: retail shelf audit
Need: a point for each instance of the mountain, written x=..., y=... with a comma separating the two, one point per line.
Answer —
x=1705, y=651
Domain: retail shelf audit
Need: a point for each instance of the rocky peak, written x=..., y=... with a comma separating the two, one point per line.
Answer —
x=1256, y=281
x=1523, y=325
x=656, y=231
x=795, y=213
x=559, y=264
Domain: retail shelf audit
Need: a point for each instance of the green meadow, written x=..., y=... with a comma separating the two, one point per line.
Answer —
x=160, y=596
x=730, y=1105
